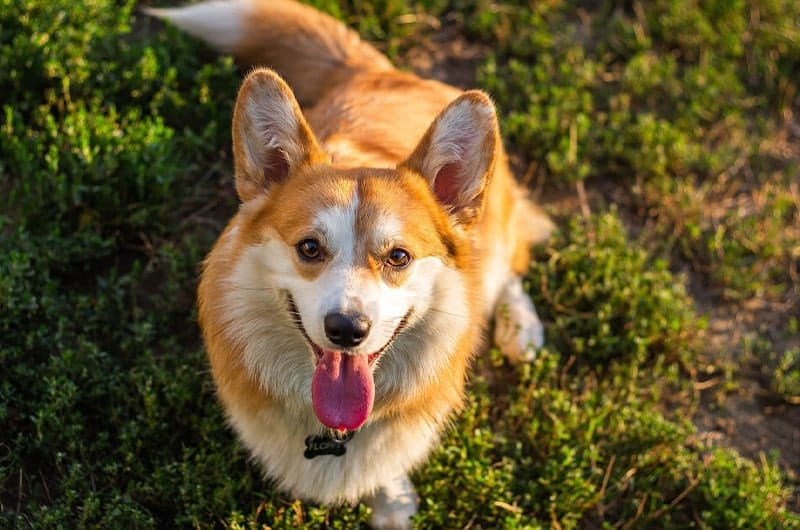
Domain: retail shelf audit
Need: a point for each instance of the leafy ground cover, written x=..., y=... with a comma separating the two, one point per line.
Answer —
x=663, y=136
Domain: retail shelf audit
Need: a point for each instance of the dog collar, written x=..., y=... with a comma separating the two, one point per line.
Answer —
x=332, y=443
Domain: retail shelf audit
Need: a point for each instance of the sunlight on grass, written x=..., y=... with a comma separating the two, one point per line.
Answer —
x=114, y=175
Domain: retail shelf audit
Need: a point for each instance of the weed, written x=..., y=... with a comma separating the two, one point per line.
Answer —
x=114, y=136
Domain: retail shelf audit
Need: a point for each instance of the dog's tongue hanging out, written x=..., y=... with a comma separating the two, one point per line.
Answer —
x=342, y=390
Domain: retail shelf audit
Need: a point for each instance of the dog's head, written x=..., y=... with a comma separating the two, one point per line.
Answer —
x=369, y=266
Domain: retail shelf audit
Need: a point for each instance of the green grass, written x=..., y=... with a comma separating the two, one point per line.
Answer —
x=115, y=160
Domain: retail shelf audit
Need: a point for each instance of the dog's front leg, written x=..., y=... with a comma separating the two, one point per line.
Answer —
x=518, y=332
x=393, y=505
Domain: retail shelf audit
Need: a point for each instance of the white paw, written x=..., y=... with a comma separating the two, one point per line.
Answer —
x=518, y=332
x=393, y=505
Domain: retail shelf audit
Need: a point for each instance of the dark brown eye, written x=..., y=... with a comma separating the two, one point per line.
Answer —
x=309, y=249
x=398, y=258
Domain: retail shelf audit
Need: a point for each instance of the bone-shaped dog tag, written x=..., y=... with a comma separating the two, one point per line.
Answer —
x=326, y=445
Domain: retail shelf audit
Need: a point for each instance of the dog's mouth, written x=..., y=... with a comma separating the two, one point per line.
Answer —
x=319, y=351
x=371, y=357
x=342, y=388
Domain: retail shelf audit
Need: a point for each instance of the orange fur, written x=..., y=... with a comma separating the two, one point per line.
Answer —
x=416, y=158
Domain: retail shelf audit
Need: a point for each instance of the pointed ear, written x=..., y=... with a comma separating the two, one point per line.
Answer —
x=271, y=138
x=457, y=154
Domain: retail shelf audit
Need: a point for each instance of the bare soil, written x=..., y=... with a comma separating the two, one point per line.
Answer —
x=750, y=418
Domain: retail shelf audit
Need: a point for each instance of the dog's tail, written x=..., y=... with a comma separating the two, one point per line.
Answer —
x=309, y=49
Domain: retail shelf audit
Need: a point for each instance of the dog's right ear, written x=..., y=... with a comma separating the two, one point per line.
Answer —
x=271, y=138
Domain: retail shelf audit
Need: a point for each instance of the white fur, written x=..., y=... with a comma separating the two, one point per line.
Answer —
x=518, y=331
x=376, y=455
x=252, y=315
x=339, y=288
x=457, y=138
x=497, y=272
x=386, y=448
x=345, y=285
x=219, y=23
x=274, y=126
x=394, y=504
x=277, y=354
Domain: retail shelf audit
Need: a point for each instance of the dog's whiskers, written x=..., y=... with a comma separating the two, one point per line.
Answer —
x=449, y=313
x=245, y=288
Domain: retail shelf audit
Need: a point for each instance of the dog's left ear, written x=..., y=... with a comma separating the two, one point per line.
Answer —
x=457, y=155
x=271, y=138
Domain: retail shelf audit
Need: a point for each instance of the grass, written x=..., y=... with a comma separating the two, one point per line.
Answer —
x=114, y=166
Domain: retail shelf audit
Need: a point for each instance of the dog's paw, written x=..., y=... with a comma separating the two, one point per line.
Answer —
x=518, y=332
x=394, y=505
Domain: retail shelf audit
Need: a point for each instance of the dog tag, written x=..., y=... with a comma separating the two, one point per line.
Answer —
x=326, y=445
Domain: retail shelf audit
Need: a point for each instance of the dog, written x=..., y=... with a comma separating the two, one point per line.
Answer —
x=379, y=231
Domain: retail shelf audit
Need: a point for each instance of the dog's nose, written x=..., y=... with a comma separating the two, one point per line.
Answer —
x=346, y=329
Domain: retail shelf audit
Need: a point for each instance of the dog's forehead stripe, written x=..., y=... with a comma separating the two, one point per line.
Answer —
x=380, y=216
x=338, y=223
x=352, y=228
x=372, y=213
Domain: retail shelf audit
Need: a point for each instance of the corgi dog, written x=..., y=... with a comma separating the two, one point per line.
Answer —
x=380, y=230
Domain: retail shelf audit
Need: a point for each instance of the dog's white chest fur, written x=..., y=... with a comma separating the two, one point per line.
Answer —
x=376, y=455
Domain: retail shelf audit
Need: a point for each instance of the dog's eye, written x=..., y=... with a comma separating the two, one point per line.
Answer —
x=309, y=249
x=398, y=258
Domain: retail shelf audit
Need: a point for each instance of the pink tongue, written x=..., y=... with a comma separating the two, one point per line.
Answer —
x=342, y=390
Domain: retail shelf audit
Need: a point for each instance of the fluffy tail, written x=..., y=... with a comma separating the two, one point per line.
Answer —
x=309, y=49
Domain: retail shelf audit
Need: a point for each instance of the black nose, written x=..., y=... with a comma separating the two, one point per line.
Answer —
x=346, y=329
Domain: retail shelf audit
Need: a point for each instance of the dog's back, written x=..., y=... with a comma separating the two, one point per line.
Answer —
x=363, y=110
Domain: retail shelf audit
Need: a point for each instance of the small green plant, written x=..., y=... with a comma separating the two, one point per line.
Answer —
x=115, y=179
x=786, y=378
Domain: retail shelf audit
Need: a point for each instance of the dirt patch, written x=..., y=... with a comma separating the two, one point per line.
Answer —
x=747, y=418
x=446, y=55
